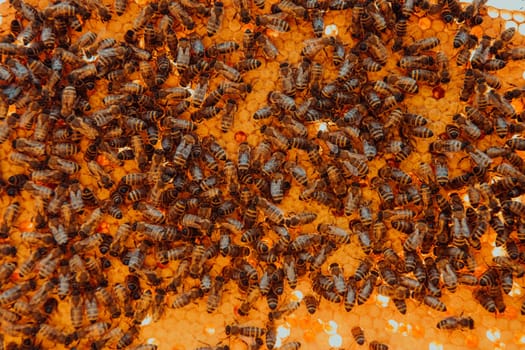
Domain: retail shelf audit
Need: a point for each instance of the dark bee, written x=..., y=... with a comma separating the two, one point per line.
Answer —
x=375, y=345
x=215, y=20
x=222, y=48
x=485, y=300
x=461, y=37
x=434, y=303
x=294, y=345
x=274, y=22
x=386, y=273
x=290, y=8
x=313, y=46
x=247, y=331
x=358, y=334
x=516, y=143
x=311, y=302
x=120, y=7
x=214, y=297
x=269, y=50
x=367, y=288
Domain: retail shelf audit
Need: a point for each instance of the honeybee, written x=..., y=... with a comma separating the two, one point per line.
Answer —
x=228, y=72
x=508, y=34
x=91, y=307
x=471, y=12
x=178, y=11
x=405, y=84
x=456, y=322
x=358, y=334
x=272, y=212
x=94, y=330
x=183, y=150
x=299, y=219
x=26, y=268
x=485, y=300
x=222, y=48
x=24, y=160
x=461, y=37
x=48, y=264
x=143, y=306
x=293, y=345
x=145, y=347
x=514, y=206
x=284, y=310
x=291, y=8
x=120, y=7
x=215, y=295
x=98, y=172
x=506, y=262
x=248, y=43
x=228, y=116
x=367, y=288
x=450, y=278
x=425, y=75
x=311, y=302
x=247, y=331
x=69, y=95
x=434, y=303
x=422, y=45
x=517, y=53
x=338, y=278
x=313, y=46
x=182, y=60
x=30, y=147
x=215, y=20
x=480, y=55
x=270, y=51
x=479, y=158
x=386, y=273
x=76, y=308
x=64, y=165
x=10, y=295
x=53, y=334
x=9, y=216
x=385, y=192
x=337, y=234
x=127, y=337
x=417, y=63
x=186, y=298
x=275, y=22
x=375, y=345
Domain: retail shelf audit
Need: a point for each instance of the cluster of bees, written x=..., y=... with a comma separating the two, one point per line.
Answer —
x=325, y=134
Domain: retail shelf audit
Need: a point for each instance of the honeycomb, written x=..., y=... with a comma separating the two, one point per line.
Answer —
x=164, y=317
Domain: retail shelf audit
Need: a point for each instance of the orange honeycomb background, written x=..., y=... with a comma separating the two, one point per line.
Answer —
x=192, y=327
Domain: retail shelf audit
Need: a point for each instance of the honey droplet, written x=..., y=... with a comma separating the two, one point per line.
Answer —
x=236, y=310
x=477, y=31
x=15, y=276
x=438, y=92
x=510, y=313
x=309, y=336
x=102, y=160
x=161, y=265
x=103, y=227
x=418, y=331
x=240, y=137
x=26, y=225
x=424, y=23
x=272, y=33
x=471, y=341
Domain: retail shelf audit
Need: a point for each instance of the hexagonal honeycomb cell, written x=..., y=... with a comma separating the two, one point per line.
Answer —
x=267, y=174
